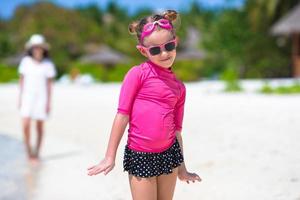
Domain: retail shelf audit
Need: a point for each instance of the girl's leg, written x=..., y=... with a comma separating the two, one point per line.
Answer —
x=143, y=188
x=40, y=133
x=166, y=185
x=26, y=133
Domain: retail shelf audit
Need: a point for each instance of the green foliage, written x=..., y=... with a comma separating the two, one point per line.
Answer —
x=92, y=12
x=241, y=36
x=5, y=44
x=8, y=74
x=102, y=73
x=233, y=38
x=230, y=77
x=188, y=70
x=66, y=30
x=292, y=89
x=118, y=72
x=266, y=88
x=97, y=71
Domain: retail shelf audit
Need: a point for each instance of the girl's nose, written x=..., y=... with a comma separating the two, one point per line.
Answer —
x=164, y=53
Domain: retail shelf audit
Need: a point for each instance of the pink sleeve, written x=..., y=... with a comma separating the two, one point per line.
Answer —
x=179, y=109
x=129, y=89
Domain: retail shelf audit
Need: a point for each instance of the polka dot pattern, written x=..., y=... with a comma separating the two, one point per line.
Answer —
x=147, y=164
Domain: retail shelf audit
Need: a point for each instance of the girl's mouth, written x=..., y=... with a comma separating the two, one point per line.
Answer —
x=165, y=59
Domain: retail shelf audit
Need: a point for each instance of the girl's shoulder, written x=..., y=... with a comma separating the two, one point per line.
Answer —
x=29, y=59
x=25, y=62
x=139, y=70
x=145, y=69
x=48, y=61
x=134, y=71
x=26, y=59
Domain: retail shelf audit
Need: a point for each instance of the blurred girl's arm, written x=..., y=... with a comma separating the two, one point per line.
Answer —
x=49, y=94
x=21, y=85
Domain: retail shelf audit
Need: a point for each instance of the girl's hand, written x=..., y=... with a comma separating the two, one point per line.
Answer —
x=186, y=176
x=105, y=166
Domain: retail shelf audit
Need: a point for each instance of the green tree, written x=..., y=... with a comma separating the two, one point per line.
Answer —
x=5, y=45
x=66, y=30
x=264, y=13
x=92, y=12
x=235, y=38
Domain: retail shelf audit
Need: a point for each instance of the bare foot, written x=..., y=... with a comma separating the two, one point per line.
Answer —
x=34, y=160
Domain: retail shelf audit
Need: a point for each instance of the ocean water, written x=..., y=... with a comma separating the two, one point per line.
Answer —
x=13, y=170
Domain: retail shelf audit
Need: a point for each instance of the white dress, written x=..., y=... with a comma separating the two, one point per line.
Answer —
x=34, y=94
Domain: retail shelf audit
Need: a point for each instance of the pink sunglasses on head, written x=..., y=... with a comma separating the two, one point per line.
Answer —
x=149, y=27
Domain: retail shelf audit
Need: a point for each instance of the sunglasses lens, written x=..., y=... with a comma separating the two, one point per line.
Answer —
x=154, y=51
x=170, y=46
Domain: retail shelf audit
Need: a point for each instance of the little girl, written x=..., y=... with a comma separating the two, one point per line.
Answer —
x=36, y=76
x=152, y=101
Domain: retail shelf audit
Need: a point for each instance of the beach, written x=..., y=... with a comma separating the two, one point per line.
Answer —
x=243, y=145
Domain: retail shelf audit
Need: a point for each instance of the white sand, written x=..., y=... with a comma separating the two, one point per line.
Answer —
x=244, y=146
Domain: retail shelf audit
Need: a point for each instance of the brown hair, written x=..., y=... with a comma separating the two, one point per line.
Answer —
x=136, y=27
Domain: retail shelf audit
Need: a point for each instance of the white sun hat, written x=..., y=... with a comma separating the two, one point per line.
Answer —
x=37, y=40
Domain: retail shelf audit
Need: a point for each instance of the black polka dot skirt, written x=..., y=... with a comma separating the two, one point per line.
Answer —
x=147, y=164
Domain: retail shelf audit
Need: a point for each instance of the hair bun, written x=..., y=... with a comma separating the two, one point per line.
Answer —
x=132, y=28
x=170, y=15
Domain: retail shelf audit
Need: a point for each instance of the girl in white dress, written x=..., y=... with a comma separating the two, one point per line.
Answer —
x=36, y=76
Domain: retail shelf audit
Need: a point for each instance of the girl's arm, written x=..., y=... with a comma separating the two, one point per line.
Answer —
x=49, y=94
x=129, y=89
x=21, y=84
x=108, y=163
x=183, y=174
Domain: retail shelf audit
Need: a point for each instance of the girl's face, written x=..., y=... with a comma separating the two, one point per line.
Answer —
x=37, y=53
x=159, y=38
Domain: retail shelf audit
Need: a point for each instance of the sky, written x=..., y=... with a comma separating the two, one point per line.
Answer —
x=7, y=7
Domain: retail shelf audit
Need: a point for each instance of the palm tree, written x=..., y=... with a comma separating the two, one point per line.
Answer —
x=263, y=13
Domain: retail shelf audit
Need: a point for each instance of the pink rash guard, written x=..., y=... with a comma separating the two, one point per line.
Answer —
x=154, y=100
